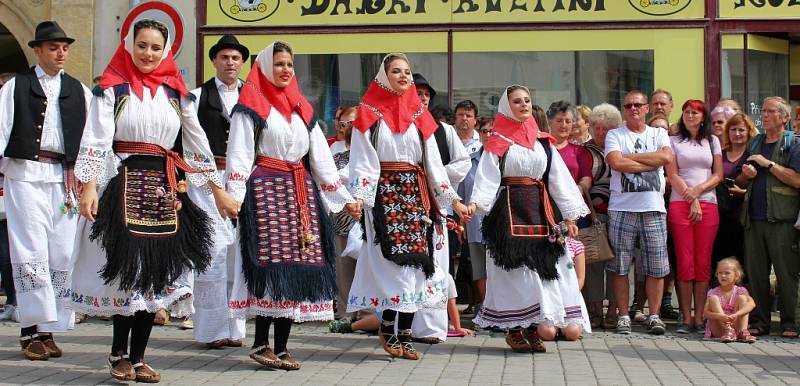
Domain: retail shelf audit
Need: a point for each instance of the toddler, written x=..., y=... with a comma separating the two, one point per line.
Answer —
x=728, y=306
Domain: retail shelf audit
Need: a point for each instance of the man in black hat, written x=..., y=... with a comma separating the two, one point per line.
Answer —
x=42, y=117
x=214, y=101
x=430, y=325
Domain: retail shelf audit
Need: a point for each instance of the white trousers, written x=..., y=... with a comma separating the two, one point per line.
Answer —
x=212, y=318
x=41, y=239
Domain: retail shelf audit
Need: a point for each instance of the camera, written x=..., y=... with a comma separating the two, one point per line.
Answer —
x=753, y=164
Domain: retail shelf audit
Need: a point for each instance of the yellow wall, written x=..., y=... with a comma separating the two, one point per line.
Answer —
x=678, y=54
x=794, y=64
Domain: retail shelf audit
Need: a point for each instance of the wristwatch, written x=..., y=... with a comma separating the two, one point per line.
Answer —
x=771, y=164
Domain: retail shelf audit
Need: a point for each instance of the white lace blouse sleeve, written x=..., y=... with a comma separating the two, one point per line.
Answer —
x=241, y=154
x=6, y=113
x=196, y=150
x=443, y=191
x=95, y=157
x=563, y=190
x=487, y=181
x=365, y=167
x=325, y=174
x=460, y=162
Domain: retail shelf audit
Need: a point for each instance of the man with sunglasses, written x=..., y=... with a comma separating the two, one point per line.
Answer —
x=637, y=154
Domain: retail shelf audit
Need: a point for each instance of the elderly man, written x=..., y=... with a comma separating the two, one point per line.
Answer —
x=771, y=175
x=42, y=117
x=661, y=102
x=637, y=154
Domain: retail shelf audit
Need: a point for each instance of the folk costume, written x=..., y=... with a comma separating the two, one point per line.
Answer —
x=430, y=323
x=212, y=321
x=143, y=137
x=519, y=183
x=42, y=118
x=395, y=168
x=280, y=167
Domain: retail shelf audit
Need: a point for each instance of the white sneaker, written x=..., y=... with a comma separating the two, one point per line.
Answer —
x=8, y=313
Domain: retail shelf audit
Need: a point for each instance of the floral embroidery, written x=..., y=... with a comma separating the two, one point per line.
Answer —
x=236, y=176
x=432, y=291
x=92, y=152
x=330, y=188
x=282, y=304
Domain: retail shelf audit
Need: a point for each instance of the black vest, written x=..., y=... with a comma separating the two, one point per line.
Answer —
x=441, y=142
x=30, y=103
x=213, y=119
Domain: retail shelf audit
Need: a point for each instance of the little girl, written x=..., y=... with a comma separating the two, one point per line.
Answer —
x=570, y=282
x=728, y=306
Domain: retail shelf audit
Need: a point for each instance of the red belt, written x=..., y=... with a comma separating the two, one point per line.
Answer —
x=221, y=163
x=173, y=160
x=548, y=207
x=299, y=175
x=422, y=179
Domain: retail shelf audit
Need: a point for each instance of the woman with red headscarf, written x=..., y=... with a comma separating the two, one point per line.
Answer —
x=692, y=215
x=280, y=167
x=143, y=232
x=397, y=174
x=521, y=180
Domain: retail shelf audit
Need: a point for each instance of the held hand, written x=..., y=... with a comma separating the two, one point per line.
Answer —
x=466, y=331
x=759, y=159
x=749, y=171
x=228, y=207
x=354, y=210
x=572, y=229
x=462, y=211
x=696, y=212
x=736, y=191
x=88, y=205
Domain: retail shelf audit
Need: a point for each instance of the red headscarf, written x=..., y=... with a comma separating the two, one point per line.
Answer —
x=260, y=94
x=507, y=131
x=121, y=70
x=397, y=111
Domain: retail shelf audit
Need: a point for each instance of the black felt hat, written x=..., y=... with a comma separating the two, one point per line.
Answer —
x=420, y=80
x=47, y=31
x=228, y=41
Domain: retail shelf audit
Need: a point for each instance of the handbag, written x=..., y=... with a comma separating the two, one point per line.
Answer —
x=597, y=249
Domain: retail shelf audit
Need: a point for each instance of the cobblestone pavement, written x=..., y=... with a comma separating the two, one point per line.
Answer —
x=356, y=359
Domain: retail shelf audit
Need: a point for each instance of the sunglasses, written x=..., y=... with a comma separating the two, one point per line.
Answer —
x=344, y=123
x=629, y=106
x=485, y=131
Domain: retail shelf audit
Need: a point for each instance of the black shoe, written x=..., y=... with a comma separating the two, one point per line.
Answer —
x=667, y=312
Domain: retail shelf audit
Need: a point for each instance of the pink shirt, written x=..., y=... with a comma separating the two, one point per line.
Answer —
x=694, y=163
x=728, y=305
x=578, y=161
x=575, y=247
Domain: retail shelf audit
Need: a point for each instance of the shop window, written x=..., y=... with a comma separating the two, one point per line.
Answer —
x=583, y=77
x=333, y=80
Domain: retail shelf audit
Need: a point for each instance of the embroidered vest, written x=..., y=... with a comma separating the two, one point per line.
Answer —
x=441, y=142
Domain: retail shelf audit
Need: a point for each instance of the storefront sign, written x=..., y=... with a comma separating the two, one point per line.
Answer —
x=759, y=9
x=361, y=12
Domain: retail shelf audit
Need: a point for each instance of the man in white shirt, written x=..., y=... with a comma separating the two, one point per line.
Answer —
x=214, y=101
x=637, y=154
x=42, y=117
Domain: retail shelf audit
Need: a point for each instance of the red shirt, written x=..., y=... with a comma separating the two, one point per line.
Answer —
x=578, y=160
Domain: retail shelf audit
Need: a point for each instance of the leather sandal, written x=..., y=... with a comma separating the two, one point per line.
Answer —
x=391, y=344
x=233, y=342
x=217, y=344
x=265, y=357
x=535, y=340
x=50, y=345
x=146, y=374
x=409, y=352
x=287, y=362
x=33, y=348
x=517, y=342
x=120, y=367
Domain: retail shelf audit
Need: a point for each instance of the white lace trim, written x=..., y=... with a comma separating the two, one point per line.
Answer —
x=365, y=189
x=294, y=313
x=575, y=212
x=402, y=307
x=336, y=200
x=237, y=189
x=557, y=320
x=177, y=307
x=31, y=276
x=445, y=198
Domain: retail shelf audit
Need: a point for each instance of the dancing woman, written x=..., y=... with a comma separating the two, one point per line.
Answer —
x=396, y=173
x=281, y=168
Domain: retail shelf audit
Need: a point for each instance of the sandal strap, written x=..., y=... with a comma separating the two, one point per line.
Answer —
x=114, y=358
x=282, y=353
x=142, y=364
x=408, y=347
x=258, y=349
x=29, y=337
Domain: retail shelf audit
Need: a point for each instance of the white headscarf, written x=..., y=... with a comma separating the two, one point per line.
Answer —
x=130, y=41
x=265, y=60
x=504, y=106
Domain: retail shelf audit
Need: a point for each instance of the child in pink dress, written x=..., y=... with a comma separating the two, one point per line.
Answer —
x=569, y=284
x=728, y=306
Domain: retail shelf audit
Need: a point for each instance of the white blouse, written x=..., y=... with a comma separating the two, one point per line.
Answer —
x=365, y=162
x=286, y=141
x=155, y=120
x=524, y=162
